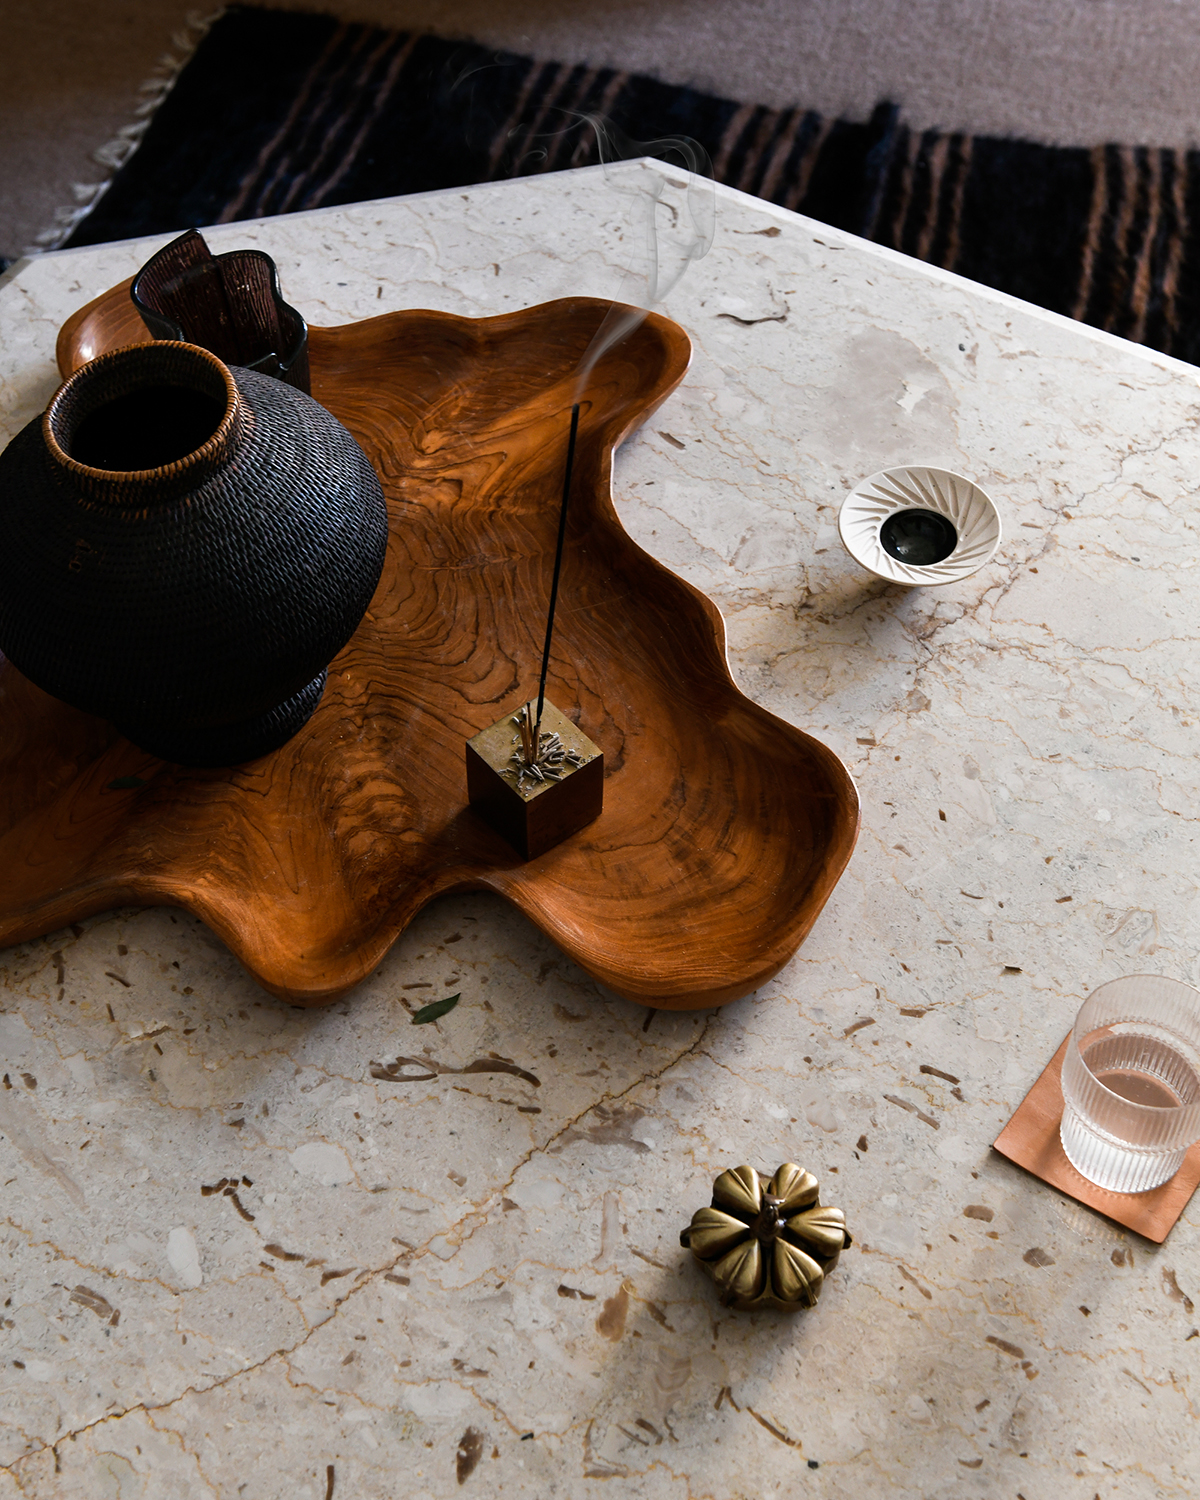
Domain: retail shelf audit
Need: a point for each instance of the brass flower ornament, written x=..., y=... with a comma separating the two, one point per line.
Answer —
x=767, y=1242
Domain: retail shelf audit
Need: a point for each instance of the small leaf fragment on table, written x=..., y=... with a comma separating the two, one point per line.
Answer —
x=432, y=1011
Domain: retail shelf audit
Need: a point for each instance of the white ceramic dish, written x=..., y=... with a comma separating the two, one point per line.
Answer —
x=868, y=508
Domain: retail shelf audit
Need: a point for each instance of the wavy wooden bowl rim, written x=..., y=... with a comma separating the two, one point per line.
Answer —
x=573, y=894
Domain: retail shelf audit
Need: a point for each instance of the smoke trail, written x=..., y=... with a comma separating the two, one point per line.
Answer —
x=667, y=250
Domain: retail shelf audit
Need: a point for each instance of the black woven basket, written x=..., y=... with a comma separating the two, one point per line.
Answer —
x=184, y=547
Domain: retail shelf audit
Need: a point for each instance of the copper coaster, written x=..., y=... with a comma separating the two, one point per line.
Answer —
x=1031, y=1140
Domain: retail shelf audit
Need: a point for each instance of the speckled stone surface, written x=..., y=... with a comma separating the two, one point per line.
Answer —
x=464, y=1281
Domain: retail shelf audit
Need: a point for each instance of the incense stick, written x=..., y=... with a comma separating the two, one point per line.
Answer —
x=558, y=557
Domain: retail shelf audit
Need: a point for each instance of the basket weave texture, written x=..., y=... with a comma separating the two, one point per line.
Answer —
x=200, y=595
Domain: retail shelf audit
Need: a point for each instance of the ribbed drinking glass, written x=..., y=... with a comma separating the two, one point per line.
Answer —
x=1131, y=1082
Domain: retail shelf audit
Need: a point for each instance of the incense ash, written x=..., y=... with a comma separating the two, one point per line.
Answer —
x=553, y=760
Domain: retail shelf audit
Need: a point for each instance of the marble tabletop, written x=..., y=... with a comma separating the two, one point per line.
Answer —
x=237, y=1264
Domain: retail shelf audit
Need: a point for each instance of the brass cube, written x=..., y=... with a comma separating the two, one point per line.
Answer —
x=534, y=815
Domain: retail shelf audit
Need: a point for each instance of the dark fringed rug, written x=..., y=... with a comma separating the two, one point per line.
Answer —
x=279, y=112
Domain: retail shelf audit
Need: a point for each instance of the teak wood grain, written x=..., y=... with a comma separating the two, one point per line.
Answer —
x=724, y=829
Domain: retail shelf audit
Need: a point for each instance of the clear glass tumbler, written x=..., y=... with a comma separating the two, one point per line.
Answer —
x=1131, y=1083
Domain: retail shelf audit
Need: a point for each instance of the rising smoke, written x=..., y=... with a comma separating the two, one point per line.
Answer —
x=667, y=239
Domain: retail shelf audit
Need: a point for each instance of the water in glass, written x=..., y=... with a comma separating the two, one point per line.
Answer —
x=1131, y=1083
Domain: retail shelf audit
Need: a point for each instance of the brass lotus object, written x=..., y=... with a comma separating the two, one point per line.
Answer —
x=767, y=1242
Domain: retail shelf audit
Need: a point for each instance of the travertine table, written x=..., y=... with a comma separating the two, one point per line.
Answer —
x=398, y=1288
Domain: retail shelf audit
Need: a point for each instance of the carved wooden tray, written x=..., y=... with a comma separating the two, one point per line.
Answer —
x=724, y=829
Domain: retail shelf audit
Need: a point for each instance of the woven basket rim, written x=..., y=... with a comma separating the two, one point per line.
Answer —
x=199, y=458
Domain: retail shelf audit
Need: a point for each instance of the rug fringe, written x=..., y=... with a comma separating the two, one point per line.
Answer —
x=116, y=152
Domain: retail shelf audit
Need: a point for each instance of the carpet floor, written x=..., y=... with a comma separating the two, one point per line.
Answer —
x=348, y=112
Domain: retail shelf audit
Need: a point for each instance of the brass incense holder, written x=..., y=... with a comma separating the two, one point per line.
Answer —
x=767, y=1242
x=535, y=800
x=533, y=775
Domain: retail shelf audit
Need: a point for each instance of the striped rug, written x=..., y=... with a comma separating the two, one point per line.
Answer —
x=278, y=112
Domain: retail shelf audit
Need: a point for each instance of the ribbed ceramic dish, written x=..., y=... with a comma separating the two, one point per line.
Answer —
x=968, y=508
